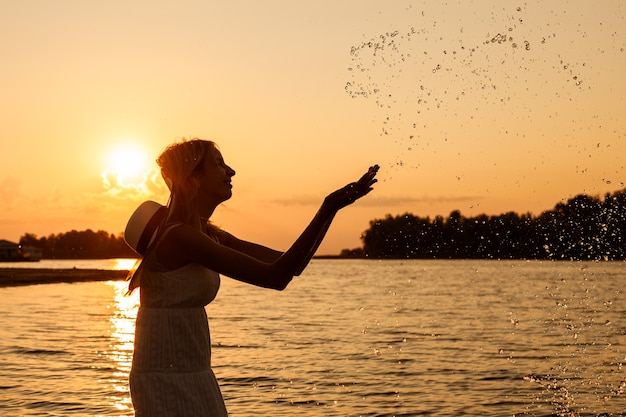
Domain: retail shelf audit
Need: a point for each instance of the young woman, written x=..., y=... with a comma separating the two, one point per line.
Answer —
x=179, y=275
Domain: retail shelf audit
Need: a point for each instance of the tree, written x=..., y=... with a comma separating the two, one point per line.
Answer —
x=583, y=228
x=85, y=244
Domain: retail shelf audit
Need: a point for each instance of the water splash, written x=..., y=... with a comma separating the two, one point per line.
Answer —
x=459, y=74
x=581, y=324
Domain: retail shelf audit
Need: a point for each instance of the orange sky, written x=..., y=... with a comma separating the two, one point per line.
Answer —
x=485, y=107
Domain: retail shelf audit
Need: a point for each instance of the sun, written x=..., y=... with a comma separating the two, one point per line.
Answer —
x=128, y=161
x=127, y=168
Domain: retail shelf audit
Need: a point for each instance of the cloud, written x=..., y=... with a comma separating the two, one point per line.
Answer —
x=116, y=186
x=299, y=200
x=378, y=201
x=386, y=201
x=113, y=195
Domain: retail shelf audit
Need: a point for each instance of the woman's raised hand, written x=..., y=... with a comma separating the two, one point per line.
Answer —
x=351, y=192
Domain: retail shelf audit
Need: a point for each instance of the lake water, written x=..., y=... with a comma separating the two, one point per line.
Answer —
x=347, y=338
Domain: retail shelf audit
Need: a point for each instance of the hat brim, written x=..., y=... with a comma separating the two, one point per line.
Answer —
x=143, y=224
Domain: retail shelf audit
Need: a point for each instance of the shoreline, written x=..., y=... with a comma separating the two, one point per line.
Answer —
x=13, y=277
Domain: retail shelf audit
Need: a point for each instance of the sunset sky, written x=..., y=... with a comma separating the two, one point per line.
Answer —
x=480, y=106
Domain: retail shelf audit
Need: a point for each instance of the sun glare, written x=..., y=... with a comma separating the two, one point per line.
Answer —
x=128, y=161
x=126, y=168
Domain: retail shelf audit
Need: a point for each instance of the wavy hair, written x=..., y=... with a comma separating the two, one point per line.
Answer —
x=181, y=164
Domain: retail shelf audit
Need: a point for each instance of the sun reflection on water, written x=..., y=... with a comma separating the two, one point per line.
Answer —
x=122, y=317
x=124, y=264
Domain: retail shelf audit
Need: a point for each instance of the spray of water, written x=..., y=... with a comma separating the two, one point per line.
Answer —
x=509, y=67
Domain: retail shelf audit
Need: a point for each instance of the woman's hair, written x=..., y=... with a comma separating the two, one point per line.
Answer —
x=181, y=164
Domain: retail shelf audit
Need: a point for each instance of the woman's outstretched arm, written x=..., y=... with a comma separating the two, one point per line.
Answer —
x=335, y=202
x=308, y=242
x=190, y=245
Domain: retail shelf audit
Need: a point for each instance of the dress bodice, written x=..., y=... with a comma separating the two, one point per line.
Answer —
x=189, y=286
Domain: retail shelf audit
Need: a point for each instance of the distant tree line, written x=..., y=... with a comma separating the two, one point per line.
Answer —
x=583, y=228
x=85, y=244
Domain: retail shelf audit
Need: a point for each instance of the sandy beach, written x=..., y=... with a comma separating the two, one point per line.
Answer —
x=31, y=276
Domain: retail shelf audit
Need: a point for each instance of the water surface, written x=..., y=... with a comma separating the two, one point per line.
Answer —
x=347, y=338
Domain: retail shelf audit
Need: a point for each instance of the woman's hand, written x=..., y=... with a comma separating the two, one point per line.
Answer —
x=350, y=193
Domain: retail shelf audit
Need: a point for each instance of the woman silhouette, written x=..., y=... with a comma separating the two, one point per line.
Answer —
x=171, y=372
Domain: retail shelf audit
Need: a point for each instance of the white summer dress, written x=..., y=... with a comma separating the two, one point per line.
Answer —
x=171, y=374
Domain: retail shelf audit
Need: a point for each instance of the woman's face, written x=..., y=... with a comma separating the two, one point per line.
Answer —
x=215, y=179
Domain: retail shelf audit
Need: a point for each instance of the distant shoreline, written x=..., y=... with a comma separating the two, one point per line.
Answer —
x=11, y=277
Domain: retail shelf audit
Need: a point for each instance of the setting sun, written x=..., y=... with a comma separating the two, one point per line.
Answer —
x=129, y=161
x=127, y=168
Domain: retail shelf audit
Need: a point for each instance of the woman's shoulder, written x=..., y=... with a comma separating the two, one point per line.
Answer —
x=218, y=234
x=166, y=256
x=179, y=241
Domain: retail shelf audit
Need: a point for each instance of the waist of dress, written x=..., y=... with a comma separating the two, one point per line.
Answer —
x=172, y=340
x=174, y=307
x=169, y=371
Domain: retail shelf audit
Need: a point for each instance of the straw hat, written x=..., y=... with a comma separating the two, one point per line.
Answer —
x=143, y=224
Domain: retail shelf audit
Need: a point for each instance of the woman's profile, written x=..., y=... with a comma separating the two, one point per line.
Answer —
x=183, y=258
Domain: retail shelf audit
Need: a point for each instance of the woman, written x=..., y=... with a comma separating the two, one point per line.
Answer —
x=171, y=372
